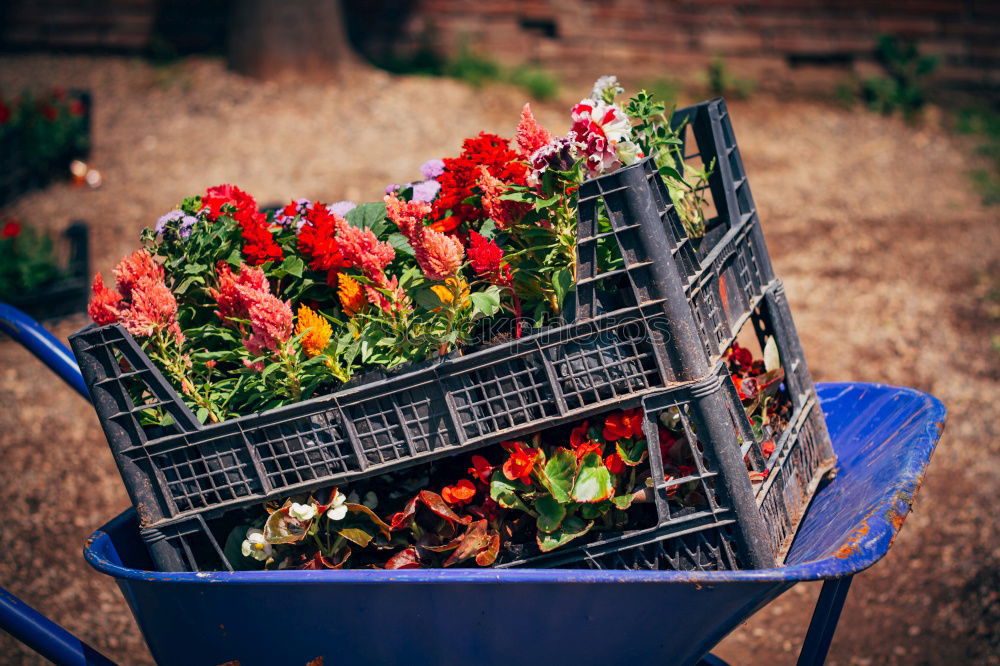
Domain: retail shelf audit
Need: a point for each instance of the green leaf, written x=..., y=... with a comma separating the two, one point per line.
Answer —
x=632, y=451
x=368, y=216
x=504, y=492
x=293, y=266
x=356, y=535
x=488, y=230
x=571, y=528
x=623, y=502
x=562, y=283
x=593, y=480
x=558, y=474
x=550, y=513
x=427, y=299
x=401, y=245
x=591, y=511
x=202, y=414
x=485, y=302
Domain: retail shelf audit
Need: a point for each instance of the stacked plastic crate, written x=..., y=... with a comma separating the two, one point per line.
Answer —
x=651, y=333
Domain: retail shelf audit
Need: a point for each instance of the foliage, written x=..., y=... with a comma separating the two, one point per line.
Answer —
x=723, y=83
x=27, y=261
x=902, y=87
x=985, y=124
x=538, y=83
x=43, y=129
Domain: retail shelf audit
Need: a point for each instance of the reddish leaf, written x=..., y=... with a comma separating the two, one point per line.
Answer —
x=488, y=556
x=404, y=559
x=319, y=562
x=474, y=540
x=402, y=519
x=435, y=503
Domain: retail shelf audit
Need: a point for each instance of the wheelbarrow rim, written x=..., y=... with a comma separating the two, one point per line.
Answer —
x=865, y=546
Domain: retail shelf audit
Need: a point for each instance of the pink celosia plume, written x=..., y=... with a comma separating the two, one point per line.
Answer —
x=530, y=134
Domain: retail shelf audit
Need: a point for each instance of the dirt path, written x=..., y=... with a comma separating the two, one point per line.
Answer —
x=887, y=256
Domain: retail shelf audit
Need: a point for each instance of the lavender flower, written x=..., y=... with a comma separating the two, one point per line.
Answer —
x=389, y=189
x=187, y=223
x=431, y=169
x=426, y=191
x=341, y=208
x=172, y=216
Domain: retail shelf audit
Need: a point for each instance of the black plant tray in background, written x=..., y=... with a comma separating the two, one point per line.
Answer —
x=683, y=303
x=67, y=295
x=20, y=173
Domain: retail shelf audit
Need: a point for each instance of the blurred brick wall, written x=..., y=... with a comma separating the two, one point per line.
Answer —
x=806, y=44
x=802, y=44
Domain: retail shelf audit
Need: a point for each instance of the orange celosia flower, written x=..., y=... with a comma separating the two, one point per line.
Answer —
x=439, y=256
x=505, y=213
x=462, y=492
x=622, y=425
x=352, y=297
x=521, y=462
x=315, y=331
x=446, y=294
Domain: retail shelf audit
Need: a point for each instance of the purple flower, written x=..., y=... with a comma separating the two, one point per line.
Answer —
x=341, y=208
x=187, y=223
x=389, y=189
x=426, y=191
x=164, y=220
x=432, y=169
x=557, y=155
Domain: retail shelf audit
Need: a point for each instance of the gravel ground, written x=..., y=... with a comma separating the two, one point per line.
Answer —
x=889, y=260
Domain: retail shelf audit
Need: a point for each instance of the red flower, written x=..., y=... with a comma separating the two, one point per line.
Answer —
x=258, y=243
x=767, y=448
x=667, y=441
x=461, y=493
x=521, y=462
x=530, y=135
x=4, y=113
x=317, y=241
x=11, y=229
x=740, y=356
x=481, y=469
x=459, y=180
x=614, y=463
x=49, y=112
x=105, y=303
x=622, y=425
x=579, y=435
x=77, y=108
x=503, y=212
x=487, y=260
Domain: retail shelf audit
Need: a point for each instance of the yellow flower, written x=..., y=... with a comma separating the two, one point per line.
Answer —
x=352, y=296
x=446, y=294
x=316, y=331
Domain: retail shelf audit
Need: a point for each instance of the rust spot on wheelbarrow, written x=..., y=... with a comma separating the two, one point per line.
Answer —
x=853, y=543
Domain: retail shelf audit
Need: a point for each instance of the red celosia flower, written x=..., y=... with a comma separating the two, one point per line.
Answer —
x=504, y=213
x=12, y=229
x=363, y=249
x=134, y=268
x=462, y=492
x=614, y=463
x=521, y=462
x=153, y=308
x=317, y=241
x=486, y=258
x=458, y=181
x=258, y=243
x=104, y=303
x=230, y=295
x=622, y=425
x=530, y=135
x=481, y=468
x=439, y=256
x=397, y=301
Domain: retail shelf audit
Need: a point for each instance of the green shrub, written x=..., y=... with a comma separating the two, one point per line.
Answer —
x=536, y=82
x=902, y=88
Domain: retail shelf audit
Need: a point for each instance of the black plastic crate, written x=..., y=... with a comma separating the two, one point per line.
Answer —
x=681, y=303
x=736, y=523
x=69, y=294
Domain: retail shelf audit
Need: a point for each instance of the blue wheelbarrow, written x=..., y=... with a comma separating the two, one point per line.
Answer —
x=883, y=437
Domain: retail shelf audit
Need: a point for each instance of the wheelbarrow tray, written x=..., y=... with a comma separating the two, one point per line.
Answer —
x=883, y=437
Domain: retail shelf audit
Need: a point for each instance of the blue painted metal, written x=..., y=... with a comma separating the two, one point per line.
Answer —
x=45, y=636
x=824, y=620
x=44, y=345
x=883, y=437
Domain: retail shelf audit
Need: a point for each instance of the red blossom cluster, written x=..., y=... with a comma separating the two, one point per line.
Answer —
x=247, y=295
x=460, y=179
x=317, y=240
x=142, y=301
x=258, y=243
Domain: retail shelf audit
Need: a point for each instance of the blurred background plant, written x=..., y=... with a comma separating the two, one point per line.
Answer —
x=27, y=260
x=984, y=124
x=906, y=71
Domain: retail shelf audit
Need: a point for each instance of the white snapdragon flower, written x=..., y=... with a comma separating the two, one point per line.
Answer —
x=256, y=546
x=302, y=512
x=338, y=507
